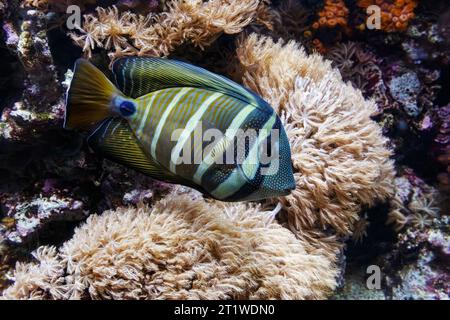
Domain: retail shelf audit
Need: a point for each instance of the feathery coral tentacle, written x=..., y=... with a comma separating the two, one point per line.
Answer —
x=338, y=152
x=182, y=248
x=192, y=21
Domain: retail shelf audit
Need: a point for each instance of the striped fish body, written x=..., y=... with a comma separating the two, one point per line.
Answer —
x=192, y=113
x=207, y=134
x=170, y=121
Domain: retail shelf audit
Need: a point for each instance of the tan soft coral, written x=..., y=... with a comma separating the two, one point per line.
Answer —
x=339, y=155
x=192, y=21
x=395, y=15
x=182, y=248
x=43, y=280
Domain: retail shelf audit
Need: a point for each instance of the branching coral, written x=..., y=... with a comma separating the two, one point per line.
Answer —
x=192, y=21
x=395, y=15
x=338, y=152
x=182, y=248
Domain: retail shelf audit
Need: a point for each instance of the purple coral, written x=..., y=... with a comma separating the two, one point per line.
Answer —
x=427, y=277
x=442, y=142
x=31, y=214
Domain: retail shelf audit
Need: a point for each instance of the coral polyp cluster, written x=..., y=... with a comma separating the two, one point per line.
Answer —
x=181, y=248
x=158, y=35
x=395, y=15
x=414, y=204
x=338, y=152
x=334, y=13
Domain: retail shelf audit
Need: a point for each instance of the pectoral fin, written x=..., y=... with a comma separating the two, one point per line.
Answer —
x=114, y=139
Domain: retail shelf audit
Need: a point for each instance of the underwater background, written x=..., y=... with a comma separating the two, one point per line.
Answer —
x=363, y=90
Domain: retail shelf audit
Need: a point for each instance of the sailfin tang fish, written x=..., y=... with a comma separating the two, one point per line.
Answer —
x=182, y=124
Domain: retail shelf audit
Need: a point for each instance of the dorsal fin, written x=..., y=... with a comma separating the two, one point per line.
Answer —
x=137, y=76
x=114, y=139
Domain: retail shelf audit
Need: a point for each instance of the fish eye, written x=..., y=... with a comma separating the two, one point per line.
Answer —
x=127, y=108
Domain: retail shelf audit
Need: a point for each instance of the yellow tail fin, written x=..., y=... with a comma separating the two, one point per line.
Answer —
x=89, y=96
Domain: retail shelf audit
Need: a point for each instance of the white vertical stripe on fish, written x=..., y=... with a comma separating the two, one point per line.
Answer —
x=237, y=179
x=190, y=126
x=163, y=119
x=230, y=134
x=133, y=67
x=124, y=77
x=140, y=79
x=144, y=117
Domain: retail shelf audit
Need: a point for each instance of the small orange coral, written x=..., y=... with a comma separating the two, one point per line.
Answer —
x=395, y=15
x=38, y=4
x=334, y=13
x=319, y=47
